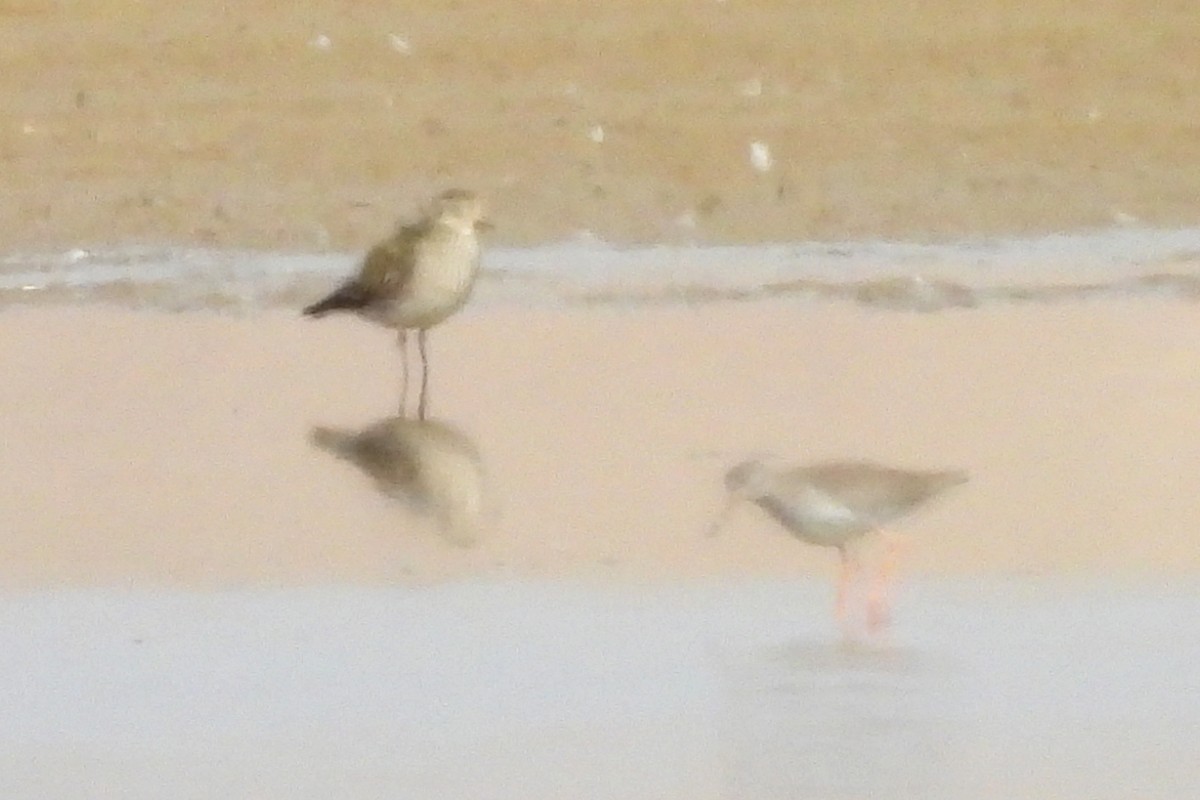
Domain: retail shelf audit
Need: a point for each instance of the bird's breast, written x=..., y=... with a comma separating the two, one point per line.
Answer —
x=441, y=282
x=815, y=517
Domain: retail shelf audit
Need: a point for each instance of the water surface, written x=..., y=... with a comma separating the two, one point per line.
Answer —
x=1053, y=689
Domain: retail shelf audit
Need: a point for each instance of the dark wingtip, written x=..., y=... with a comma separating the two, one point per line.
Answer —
x=316, y=309
x=346, y=298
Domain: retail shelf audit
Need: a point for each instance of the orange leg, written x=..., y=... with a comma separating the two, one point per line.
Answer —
x=879, y=610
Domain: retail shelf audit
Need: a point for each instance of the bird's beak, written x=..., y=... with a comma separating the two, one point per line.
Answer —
x=722, y=517
x=484, y=225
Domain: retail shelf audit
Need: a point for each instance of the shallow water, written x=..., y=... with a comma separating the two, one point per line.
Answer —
x=518, y=690
x=900, y=275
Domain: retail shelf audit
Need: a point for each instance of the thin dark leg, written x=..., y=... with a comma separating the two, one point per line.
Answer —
x=421, y=404
x=402, y=341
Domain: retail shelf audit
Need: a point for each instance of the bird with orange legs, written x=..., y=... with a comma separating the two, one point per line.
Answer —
x=837, y=504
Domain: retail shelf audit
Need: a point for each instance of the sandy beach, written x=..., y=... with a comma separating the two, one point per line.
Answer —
x=312, y=125
x=204, y=594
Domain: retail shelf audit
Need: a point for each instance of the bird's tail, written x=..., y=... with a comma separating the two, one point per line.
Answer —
x=347, y=297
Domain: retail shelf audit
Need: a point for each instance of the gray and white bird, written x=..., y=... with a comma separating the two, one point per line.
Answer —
x=417, y=277
x=836, y=504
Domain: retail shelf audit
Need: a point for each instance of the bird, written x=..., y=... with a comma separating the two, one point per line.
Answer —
x=836, y=504
x=429, y=464
x=417, y=277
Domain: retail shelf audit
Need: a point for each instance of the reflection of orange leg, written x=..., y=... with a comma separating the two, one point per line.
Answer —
x=846, y=572
x=878, y=606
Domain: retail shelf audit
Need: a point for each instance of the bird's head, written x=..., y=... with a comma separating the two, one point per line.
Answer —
x=747, y=480
x=461, y=209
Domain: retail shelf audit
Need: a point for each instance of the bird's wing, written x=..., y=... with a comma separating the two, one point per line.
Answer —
x=870, y=490
x=879, y=493
x=388, y=266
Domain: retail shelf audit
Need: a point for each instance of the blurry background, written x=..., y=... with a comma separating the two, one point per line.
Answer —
x=312, y=125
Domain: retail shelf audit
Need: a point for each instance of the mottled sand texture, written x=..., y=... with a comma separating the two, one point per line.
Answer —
x=238, y=124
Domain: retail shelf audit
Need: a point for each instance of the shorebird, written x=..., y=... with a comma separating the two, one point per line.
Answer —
x=429, y=464
x=836, y=504
x=417, y=277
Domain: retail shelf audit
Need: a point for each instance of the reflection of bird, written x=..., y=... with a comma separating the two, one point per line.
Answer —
x=836, y=504
x=428, y=463
x=417, y=277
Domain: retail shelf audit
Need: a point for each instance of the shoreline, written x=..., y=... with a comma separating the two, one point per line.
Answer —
x=903, y=276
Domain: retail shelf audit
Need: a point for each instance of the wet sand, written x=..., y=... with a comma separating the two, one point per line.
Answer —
x=201, y=597
x=1114, y=263
x=176, y=449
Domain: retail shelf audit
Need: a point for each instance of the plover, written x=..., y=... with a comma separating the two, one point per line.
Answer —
x=836, y=504
x=428, y=464
x=417, y=277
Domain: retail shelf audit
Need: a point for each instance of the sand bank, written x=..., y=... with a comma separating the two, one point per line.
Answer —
x=307, y=125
